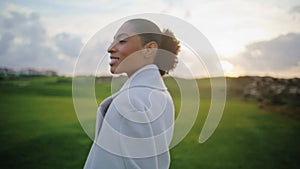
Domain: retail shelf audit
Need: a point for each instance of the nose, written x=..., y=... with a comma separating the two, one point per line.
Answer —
x=111, y=48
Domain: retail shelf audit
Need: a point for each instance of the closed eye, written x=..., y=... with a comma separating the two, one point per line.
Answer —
x=119, y=41
x=122, y=41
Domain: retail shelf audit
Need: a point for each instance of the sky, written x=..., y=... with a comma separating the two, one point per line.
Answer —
x=250, y=37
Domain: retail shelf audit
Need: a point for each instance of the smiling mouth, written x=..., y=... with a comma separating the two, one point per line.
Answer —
x=113, y=60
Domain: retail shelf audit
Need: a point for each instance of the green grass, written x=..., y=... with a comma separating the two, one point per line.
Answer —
x=247, y=137
x=39, y=129
x=40, y=132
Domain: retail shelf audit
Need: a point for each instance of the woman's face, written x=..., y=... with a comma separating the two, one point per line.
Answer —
x=125, y=51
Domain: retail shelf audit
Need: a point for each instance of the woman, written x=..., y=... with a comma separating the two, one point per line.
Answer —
x=134, y=126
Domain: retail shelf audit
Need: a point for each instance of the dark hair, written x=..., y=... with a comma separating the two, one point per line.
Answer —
x=166, y=58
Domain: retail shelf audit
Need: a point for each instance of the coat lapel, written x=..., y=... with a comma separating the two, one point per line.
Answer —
x=148, y=76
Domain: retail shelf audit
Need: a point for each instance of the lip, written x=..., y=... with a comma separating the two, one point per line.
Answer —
x=114, y=60
x=114, y=57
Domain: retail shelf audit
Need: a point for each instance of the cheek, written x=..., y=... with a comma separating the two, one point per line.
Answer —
x=128, y=50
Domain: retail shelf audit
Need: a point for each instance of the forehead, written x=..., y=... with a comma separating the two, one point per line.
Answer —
x=125, y=30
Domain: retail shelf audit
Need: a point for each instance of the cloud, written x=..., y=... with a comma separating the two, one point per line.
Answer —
x=295, y=9
x=69, y=44
x=274, y=56
x=295, y=13
x=24, y=43
x=5, y=42
x=24, y=39
x=51, y=37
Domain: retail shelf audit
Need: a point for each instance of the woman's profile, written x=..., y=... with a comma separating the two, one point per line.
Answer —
x=134, y=126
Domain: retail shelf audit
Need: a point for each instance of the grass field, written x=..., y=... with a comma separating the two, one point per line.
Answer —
x=40, y=130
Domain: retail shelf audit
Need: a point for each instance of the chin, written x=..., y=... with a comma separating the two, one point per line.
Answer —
x=112, y=70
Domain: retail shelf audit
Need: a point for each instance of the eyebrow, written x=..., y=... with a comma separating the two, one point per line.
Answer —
x=121, y=34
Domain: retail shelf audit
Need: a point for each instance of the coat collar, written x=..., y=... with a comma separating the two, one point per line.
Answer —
x=147, y=76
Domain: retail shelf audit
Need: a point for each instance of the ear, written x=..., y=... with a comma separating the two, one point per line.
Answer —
x=150, y=49
x=151, y=44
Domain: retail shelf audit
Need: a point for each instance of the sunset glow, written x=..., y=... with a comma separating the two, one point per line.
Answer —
x=250, y=37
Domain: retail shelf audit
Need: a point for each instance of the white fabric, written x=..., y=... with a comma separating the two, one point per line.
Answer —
x=137, y=126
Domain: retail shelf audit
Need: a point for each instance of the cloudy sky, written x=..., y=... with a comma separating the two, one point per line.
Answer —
x=250, y=37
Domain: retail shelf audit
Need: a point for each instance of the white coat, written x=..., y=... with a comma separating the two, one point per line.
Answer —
x=137, y=126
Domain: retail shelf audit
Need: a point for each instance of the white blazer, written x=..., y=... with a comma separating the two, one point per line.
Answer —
x=137, y=126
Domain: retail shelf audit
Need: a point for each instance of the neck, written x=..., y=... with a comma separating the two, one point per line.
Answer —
x=130, y=73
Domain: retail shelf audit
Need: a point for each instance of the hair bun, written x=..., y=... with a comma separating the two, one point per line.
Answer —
x=167, y=60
